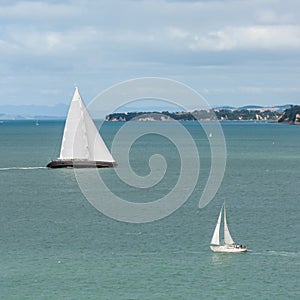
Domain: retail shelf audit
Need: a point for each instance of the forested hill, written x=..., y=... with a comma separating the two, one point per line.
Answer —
x=290, y=115
x=205, y=115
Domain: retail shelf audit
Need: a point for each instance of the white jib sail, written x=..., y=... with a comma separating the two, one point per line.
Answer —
x=216, y=237
x=227, y=237
x=81, y=139
x=96, y=146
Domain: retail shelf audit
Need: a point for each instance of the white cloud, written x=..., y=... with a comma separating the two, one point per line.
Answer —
x=81, y=41
x=272, y=38
x=52, y=42
x=177, y=33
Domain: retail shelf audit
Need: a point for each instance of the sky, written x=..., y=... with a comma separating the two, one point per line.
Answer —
x=234, y=52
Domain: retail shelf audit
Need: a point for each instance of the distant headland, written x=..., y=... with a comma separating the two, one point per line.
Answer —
x=289, y=115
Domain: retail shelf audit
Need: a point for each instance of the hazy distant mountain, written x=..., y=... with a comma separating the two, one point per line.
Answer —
x=251, y=107
x=279, y=108
x=224, y=107
x=282, y=108
x=16, y=112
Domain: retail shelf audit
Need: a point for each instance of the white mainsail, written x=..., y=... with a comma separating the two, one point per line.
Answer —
x=216, y=237
x=227, y=237
x=229, y=246
x=81, y=139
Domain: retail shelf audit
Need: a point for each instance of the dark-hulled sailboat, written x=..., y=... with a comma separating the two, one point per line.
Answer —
x=82, y=146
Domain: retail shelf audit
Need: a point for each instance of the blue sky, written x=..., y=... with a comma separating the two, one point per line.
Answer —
x=233, y=52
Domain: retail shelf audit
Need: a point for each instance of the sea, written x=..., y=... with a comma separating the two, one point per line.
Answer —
x=55, y=245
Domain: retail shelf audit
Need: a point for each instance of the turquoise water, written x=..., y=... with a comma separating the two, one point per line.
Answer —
x=55, y=245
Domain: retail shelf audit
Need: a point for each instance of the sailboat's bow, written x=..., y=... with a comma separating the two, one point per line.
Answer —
x=82, y=146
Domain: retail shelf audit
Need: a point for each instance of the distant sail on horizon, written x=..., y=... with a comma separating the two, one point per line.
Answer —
x=82, y=146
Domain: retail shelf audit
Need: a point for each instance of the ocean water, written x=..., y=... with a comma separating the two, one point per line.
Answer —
x=55, y=245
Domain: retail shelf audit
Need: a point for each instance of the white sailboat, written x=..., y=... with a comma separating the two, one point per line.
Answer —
x=82, y=146
x=229, y=245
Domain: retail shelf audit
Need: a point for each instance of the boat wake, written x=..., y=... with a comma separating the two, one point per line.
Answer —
x=21, y=168
x=276, y=253
x=133, y=233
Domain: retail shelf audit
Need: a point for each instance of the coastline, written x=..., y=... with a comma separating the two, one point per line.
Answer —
x=288, y=116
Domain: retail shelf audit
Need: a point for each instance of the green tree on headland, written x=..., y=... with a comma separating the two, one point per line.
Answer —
x=222, y=114
x=290, y=115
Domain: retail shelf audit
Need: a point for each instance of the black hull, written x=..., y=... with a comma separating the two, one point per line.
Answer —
x=56, y=164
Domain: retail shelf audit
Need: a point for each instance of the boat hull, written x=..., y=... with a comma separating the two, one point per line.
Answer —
x=56, y=164
x=228, y=249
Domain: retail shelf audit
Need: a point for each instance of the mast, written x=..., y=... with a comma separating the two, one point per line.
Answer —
x=216, y=236
x=74, y=138
x=227, y=237
x=81, y=138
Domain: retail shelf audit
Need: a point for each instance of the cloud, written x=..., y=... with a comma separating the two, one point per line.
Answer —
x=52, y=42
x=120, y=28
x=229, y=38
x=273, y=38
x=55, y=43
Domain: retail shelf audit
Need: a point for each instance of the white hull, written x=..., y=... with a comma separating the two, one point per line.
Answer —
x=228, y=249
x=229, y=245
